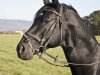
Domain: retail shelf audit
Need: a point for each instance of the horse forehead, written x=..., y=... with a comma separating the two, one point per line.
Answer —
x=50, y=6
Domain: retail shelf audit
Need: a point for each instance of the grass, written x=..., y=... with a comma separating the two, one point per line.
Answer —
x=10, y=64
x=98, y=38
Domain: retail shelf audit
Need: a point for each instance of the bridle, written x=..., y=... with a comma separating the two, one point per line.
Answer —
x=45, y=41
x=46, y=38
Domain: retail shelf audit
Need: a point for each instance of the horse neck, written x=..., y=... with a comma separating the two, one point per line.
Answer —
x=78, y=36
x=82, y=49
x=74, y=57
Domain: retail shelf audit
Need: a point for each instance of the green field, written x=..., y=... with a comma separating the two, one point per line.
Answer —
x=10, y=64
x=98, y=38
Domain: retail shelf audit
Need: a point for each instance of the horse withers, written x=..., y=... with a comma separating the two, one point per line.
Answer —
x=58, y=24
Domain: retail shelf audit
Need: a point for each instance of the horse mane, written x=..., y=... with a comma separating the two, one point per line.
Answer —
x=69, y=7
x=54, y=6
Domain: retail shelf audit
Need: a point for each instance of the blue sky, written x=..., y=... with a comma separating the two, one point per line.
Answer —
x=25, y=9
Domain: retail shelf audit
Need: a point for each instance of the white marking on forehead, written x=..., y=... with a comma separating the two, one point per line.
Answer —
x=41, y=14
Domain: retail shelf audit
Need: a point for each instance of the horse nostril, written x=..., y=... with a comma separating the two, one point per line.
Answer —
x=22, y=49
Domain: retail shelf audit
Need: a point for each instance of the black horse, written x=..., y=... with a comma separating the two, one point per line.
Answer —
x=58, y=24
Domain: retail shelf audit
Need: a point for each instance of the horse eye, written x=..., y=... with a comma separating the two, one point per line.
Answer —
x=47, y=21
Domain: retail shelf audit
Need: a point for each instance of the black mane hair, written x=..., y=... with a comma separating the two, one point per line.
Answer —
x=55, y=6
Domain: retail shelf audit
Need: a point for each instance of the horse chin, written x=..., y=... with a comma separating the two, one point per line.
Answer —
x=26, y=57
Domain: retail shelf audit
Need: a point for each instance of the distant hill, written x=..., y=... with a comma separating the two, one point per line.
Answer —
x=14, y=25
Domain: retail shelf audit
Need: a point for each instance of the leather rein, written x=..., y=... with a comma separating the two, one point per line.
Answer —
x=45, y=41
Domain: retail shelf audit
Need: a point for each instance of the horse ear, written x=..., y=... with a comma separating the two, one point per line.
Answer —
x=46, y=1
x=55, y=1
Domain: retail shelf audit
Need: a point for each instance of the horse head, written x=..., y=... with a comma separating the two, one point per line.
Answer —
x=46, y=31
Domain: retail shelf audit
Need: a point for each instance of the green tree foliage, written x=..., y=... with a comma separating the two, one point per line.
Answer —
x=94, y=20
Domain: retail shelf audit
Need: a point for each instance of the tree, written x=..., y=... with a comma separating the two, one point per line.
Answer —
x=94, y=20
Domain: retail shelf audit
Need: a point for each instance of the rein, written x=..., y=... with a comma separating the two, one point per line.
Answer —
x=45, y=41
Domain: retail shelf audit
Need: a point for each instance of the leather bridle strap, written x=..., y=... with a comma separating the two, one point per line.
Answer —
x=68, y=63
x=50, y=62
x=32, y=36
x=49, y=32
